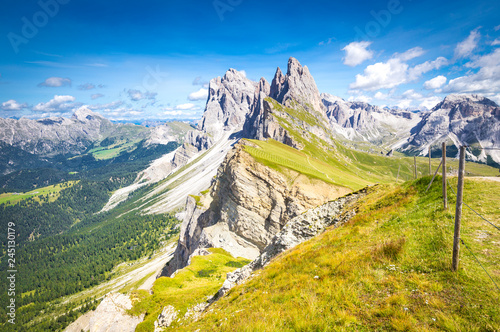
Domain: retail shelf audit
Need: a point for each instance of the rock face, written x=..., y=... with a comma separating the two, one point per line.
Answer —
x=111, y=316
x=297, y=86
x=362, y=121
x=299, y=229
x=229, y=102
x=462, y=119
x=247, y=205
x=166, y=318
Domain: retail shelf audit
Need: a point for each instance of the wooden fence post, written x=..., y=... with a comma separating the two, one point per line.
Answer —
x=458, y=209
x=445, y=198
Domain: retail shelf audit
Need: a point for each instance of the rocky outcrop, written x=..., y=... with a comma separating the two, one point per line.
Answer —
x=297, y=87
x=111, y=315
x=299, y=229
x=460, y=120
x=166, y=318
x=247, y=205
x=229, y=101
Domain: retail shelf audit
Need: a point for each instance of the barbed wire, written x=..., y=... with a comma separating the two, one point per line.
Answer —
x=498, y=228
x=477, y=260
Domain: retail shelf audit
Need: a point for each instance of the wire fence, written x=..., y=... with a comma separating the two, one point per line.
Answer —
x=468, y=248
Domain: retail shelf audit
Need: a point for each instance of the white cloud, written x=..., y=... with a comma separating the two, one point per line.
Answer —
x=485, y=81
x=55, y=82
x=435, y=83
x=410, y=54
x=497, y=28
x=411, y=94
x=495, y=42
x=201, y=94
x=430, y=102
x=173, y=112
x=57, y=104
x=361, y=98
x=382, y=75
x=417, y=71
x=187, y=106
x=12, y=105
x=356, y=53
x=465, y=47
x=380, y=96
x=394, y=72
x=137, y=95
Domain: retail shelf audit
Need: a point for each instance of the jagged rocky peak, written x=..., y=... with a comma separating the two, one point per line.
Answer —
x=229, y=101
x=468, y=105
x=297, y=85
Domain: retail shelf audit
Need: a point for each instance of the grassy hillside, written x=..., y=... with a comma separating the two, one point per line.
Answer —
x=189, y=287
x=346, y=167
x=388, y=269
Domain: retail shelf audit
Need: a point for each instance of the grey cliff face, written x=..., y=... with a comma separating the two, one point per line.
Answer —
x=461, y=119
x=247, y=205
x=229, y=101
x=297, y=86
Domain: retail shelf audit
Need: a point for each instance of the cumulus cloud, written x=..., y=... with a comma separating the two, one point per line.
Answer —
x=495, y=42
x=201, y=94
x=137, y=95
x=361, y=98
x=356, y=53
x=430, y=102
x=465, y=47
x=12, y=105
x=96, y=95
x=57, y=104
x=417, y=71
x=485, y=81
x=435, y=83
x=380, y=96
x=187, y=106
x=54, y=82
x=394, y=72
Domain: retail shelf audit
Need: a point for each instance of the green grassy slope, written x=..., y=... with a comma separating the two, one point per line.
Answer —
x=189, y=287
x=388, y=269
x=346, y=167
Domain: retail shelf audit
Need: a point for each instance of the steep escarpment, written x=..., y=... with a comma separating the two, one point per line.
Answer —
x=247, y=205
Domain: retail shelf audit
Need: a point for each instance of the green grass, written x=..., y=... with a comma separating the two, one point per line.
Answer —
x=388, y=269
x=52, y=191
x=189, y=287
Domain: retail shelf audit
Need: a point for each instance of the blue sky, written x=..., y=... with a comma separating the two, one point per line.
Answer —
x=153, y=59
